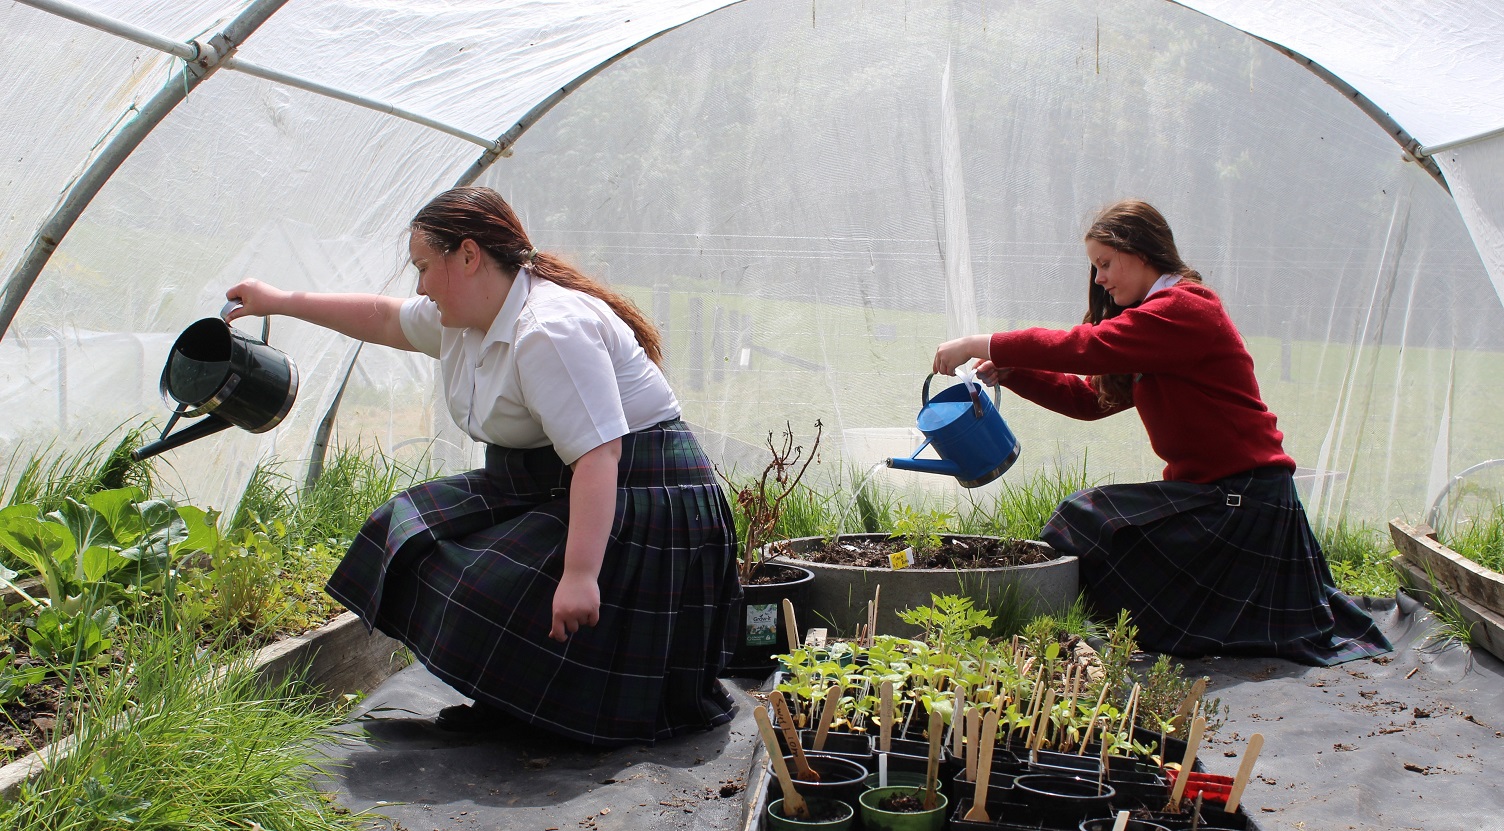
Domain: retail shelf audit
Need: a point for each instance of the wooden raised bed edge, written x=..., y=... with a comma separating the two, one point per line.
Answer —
x=337, y=658
x=1437, y=575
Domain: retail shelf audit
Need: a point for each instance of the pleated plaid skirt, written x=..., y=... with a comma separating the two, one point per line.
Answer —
x=1228, y=568
x=463, y=570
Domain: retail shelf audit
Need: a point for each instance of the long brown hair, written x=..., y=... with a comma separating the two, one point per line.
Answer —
x=1132, y=227
x=481, y=214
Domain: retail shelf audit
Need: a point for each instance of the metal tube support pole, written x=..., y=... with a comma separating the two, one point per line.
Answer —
x=114, y=154
x=94, y=20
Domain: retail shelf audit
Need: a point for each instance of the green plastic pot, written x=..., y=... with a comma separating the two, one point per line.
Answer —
x=778, y=822
x=876, y=819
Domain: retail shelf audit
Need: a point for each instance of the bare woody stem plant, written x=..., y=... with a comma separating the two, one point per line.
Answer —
x=761, y=501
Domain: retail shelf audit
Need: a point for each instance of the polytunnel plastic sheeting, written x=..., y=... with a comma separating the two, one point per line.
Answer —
x=779, y=202
x=782, y=189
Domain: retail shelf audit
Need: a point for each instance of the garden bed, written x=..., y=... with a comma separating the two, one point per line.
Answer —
x=339, y=657
x=1452, y=584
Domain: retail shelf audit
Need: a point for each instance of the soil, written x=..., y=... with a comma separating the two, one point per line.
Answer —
x=901, y=803
x=954, y=553
x=28, y=722
x=821, y=810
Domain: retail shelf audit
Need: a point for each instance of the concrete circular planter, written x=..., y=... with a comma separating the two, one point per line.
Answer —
x=839, y=595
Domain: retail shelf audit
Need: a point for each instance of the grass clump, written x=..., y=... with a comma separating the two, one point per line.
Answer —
x=50, y=476
x=180, y=738
x=1359, y=556
x=1480, y=539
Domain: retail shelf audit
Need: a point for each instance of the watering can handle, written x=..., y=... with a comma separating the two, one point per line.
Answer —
x=924, y=395
x=266, y=322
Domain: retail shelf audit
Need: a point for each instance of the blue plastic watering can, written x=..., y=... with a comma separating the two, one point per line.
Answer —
x=974, y=443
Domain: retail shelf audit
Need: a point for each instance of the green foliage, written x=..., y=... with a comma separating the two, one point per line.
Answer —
x=1022, y=508
x=89, y=552
x=178, y=738
x=50, y=476
x=14, y=677
x=1480, y=539
x=1164, y=688
x=353, y=484
x=948, y=622
x=72, y=639
x=1359, y=556
x=920, y=530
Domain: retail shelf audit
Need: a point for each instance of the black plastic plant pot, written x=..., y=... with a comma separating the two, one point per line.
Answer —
x=1139, y=788
x=1108, y=823
x=840, y=779
x=1070, y=764
x=826, y=815
x=1212, y=819
x=1001, y=816
x=1053, y=797
x=760, y=622
x=999, y=787
x=855, y=747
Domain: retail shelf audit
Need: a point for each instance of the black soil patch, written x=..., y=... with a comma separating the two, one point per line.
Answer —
x=953, y=552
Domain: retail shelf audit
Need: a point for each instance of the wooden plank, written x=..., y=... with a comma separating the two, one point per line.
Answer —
x=1483, y=586
x=1487, y=625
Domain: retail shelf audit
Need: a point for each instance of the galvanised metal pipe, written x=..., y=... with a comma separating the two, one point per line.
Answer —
x=119, y=148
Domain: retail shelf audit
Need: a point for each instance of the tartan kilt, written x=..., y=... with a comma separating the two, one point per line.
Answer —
x=463, y=570
x=1227, y=568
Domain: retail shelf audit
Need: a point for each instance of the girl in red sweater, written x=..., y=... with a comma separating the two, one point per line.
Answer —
x=1219, y=557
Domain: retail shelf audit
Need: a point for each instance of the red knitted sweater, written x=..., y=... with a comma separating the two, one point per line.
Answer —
x=1195, y=391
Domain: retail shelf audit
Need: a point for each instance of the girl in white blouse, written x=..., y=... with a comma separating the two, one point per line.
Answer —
x=584, y=581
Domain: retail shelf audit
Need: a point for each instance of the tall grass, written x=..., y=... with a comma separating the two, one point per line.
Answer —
x=354, y=483
x=1480, y=539
x=1022, y=508
x=180, y=738
x=1359, y=556
x=50, y=475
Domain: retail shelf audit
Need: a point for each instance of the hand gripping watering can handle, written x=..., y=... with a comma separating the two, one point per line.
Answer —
x=266, y=322
x=924, y=396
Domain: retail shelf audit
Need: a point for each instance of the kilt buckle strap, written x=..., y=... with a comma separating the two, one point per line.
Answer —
x=1235, y=500
x=558, y=493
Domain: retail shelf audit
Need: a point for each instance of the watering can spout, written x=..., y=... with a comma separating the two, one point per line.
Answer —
x=940, y=466
x=197, y=430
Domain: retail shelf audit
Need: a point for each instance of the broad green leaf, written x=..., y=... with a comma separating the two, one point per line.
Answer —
x=118, y=508
x=45, y=546
x=97, y=561
x=202, y=532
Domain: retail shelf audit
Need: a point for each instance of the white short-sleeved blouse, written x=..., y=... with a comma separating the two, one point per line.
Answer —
x=556, y=367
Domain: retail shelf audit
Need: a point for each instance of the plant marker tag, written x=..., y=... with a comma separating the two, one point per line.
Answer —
x=901, y=559
x=882, y=769
x=762, y=624
x=816, y=638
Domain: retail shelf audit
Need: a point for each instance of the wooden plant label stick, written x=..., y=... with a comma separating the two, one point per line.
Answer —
x=793, y=803
x=1033, y=713
x=958, y=722
x=932, y=770
x=1091, y=726
x=791, y=735
x=1186, y=764
x=1188, y=706
x=790, y=624
x=1245, y=772
x=988, y=737
x=1127, y=707
x=1044, y=725
x=1121, y=823
x=827, y=715
x=973, y=742
x=885, y=712
x=877, y=595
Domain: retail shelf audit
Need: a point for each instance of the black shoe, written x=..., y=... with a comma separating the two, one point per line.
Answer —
x=471, y=718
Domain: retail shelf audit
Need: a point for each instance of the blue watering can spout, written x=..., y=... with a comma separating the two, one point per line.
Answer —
x=973, y=442
x=939, y=466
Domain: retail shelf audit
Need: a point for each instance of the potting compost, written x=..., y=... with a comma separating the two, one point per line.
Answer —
x=1408, y=740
